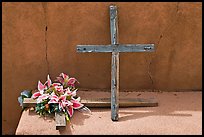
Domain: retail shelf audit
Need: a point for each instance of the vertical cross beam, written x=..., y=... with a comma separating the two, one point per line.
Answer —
x=114, y=65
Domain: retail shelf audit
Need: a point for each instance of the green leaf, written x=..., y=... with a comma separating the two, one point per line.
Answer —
x=67, y=117
x=68, y=97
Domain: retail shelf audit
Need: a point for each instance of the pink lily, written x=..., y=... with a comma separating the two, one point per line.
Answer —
x=69, y=92
x=68, y=106
x=70, y=110
x=43, y=96
x=65, y=104
x=61, y=100
x=62, y=78
x=49, y=82
x=56, y=84
x=59, y=88
x=71, y=81
x=35, y=95
x=76, y=103
x=73, y=104
x=62, y=104
x=41, y=88
x=65, y=80
x=53, y=98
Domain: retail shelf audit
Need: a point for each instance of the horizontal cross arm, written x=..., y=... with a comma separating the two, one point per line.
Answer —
x=116, y=48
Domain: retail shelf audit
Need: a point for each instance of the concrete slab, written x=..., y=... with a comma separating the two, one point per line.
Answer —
x=177, y=113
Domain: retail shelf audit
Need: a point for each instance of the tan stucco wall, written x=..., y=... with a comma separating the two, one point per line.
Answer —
x=30, y=52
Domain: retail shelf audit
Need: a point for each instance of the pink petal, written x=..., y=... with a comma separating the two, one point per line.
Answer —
x=53, y=101
x=67, y=90
x=60, y=79
x=49, y=82
x=40, y=98
x=68, y=103
x=54, y=96
x=74, y=92
x=56, y=84
x=40, y=86
x=76, y=104
x=78, y=99
x=61, y=106
x=62, y=98
x=35, y=95
x=44, y=96
x=64, y=76
x=70, y=111
x=71, y=81
x=59, y=88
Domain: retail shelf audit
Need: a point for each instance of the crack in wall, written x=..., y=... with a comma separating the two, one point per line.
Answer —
x=177, y=7
x=150, y=62
x=44, y=5
x=149, y=73
x=158, y=42
x=159, y=39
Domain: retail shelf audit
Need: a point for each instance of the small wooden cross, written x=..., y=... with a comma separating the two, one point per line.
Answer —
x=92, y=103
x=115, y=48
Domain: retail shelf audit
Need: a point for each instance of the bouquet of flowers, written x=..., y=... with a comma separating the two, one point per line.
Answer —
x=59, y=96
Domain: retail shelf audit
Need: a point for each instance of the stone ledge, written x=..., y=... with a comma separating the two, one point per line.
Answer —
x=177, y=113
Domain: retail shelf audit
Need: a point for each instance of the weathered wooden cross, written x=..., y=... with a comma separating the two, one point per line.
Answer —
x=115, y=48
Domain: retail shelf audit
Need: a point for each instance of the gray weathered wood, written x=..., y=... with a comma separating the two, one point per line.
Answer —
x=114, y=24
x=118, y=48
x=60, y=120
x=105, y=102
x=124, y=102
x=115, y=64
x=29, y=102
